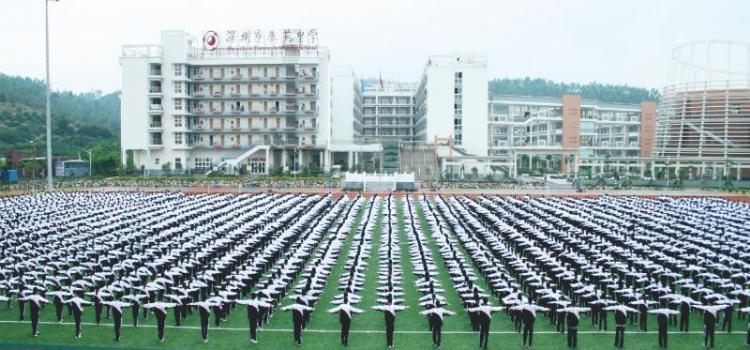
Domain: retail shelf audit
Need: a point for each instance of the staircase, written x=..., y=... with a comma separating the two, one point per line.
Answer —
x=421, y=160
x=232, y=165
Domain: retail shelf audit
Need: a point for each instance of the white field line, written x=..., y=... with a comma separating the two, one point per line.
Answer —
x=289, y=330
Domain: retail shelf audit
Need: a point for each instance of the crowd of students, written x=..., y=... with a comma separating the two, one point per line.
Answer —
x=162, y=253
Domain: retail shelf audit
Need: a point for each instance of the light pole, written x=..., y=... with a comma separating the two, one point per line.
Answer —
x=49, y=121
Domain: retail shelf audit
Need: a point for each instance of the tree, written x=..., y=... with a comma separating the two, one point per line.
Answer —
x=475, y=172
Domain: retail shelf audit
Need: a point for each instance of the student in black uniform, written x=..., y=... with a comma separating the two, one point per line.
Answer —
x=254, y=308
x=345, y=311
x=389, y=312
x=436, y=315
x=662, y=321
x=484, y=318
x=116, y=307
x=76, y=305
x=298, y=310
x=35, y=303
x=709, y=322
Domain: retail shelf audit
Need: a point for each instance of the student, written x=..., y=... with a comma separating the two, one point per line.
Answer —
x=204, y=310
x=298, y=314
x=389, y=312
x=160, y=311
x=484, y=317
x=35, y=303
x=254, y=311
x=436, y=315
x=345, y=311
x=116, y=307
x=59, y=296
x=709, y=322
x=747, y=310
x=528, y=316
x=76, y=305
x=662, y=321
x=621, y=317
x=572, y=318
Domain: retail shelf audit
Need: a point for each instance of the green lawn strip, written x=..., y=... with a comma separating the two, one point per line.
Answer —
x=18, y=336
x=320, y=318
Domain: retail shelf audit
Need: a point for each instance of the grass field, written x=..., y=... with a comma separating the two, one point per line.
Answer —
x=323, y=329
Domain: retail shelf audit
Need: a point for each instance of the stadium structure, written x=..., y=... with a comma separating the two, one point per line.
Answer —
x=704, y=115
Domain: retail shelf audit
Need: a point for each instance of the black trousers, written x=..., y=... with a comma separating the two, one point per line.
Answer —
x=709, y=331
x=117, y=318
x=252, y=319
x=619, y=335
x=298, y=331
x=663, y=337
x=684, y=322
x=389, y=327
x=572, y=337
x=77, y=319
x=346, y=323
x=58, y=309
x=727, y=323
x=136, y=311
x=34, y=318
x=484, y=334
x=98, y=312
x=160, y=320
x=528, y=334
x=643, y=320
x=204, y=315
x=437, y=330
x=21, y=309
x=177, y=315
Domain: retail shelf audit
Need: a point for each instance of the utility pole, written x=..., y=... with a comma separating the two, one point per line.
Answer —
x=50, y=185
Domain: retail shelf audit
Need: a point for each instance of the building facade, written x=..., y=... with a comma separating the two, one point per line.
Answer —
x=569, y=134
x=189, y=106
x=388, y=112
x=703, y=123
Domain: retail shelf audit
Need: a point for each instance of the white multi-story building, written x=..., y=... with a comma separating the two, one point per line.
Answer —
x=388, y=111
x=198, y=106
x=451, y=102
x=252, y=105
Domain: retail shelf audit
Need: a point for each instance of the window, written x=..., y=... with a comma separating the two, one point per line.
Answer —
x=178, y=138
x=156, y=161
x=177, y=88
x=178, y=121
x=202, y=163
x=178, y=163
x=177, y=70
x=177, y=104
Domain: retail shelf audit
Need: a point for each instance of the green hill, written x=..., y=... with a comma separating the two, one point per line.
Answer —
x=79, y=122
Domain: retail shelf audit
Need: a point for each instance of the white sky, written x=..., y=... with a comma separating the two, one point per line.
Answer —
x=610, y=41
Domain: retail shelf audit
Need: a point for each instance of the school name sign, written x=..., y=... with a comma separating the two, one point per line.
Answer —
x=254, y=39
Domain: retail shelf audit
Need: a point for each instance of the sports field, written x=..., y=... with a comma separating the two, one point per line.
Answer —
x=367, y=328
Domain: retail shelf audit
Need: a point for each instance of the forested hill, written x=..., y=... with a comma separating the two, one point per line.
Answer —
x=596, y=91
x=79, y=121
x=547, y=88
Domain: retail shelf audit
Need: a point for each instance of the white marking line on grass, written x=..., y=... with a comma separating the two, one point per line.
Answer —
x=289, y=330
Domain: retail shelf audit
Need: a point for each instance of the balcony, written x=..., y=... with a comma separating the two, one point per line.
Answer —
x=198, y=77
x=217, y=94
x=155, y=125
x=198, y=127
x=198, y=110
x=154, y=90
x=217, y=145
x=216, y=111
x=199, y=94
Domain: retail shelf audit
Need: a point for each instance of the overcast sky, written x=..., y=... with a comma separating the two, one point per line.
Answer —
x=610, y=41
